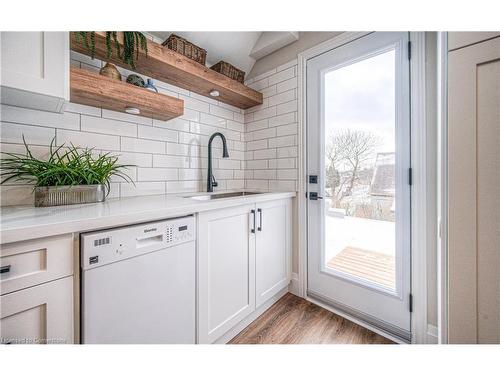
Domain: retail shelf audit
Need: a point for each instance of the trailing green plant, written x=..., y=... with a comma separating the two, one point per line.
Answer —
x=133, y=42
x=65, y=166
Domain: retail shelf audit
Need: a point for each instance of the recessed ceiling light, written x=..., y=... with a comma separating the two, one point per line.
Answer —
x=214, y=93
x=133, y=110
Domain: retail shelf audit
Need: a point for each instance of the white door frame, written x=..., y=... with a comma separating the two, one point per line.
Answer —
x=419, y=160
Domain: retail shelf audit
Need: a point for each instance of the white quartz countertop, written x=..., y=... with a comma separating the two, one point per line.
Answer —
x=20, y=223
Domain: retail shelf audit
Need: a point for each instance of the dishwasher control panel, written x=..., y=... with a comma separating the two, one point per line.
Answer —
x=104, y=247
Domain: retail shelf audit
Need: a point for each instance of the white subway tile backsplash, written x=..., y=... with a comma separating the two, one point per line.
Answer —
x=263, y=134
x=289, y=140
x=257, y=145
x=229, y=164
x=106, y=126
x=287, y=107
x=106, y=113
x=282, y=98
x=176, y=124
x=282, y=76
x=287, y=118
x=256, y=125
x=142, y=145
x=264, y=174
x=157, y=174
x=286, y=85
x=18, y=115
x=273, y=166
x=170, y=161
x=208, y=119
x=34, y=135
x=287, y=174
x=83, y=139
x=256, y=164
x=171, y=156
x=82, y=109
x=221, y=112
x=286, y=130
x=195, y=104
x=156, y=133
x=287, y=152
x=142, y=188
x=264, y=113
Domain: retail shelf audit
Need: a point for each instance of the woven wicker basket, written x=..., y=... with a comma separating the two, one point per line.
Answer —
x=229, y=71
x=186, y=48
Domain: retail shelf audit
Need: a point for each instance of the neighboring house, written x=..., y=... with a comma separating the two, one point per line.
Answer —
x=382, y=187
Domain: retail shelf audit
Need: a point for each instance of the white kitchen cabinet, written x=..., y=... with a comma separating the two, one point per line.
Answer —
x=272, y=249
x=42, y=314
x=36, y=284
x=35, y=69
x=473, y=204
x=226, y=270
x=243, y=261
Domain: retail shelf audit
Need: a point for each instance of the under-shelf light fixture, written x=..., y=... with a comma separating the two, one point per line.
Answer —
x=132, y=110
x=214, y=93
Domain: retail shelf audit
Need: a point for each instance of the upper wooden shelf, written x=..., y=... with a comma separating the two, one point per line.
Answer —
x=92, y=89
x=172, y=67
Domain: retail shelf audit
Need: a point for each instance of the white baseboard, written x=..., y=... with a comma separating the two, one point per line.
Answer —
x=432, y=334
x=294, y=286
x=250, y=318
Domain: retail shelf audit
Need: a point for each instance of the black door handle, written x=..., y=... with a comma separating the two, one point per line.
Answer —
x=259, y=228
x=314, y=196
x=253, y=229
x=5, y=269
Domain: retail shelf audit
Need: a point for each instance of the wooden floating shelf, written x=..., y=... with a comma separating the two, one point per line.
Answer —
x=172, y=67
x=92, y=89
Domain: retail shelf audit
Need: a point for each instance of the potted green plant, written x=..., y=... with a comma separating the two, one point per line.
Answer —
x=70, y=175
x=133, y=41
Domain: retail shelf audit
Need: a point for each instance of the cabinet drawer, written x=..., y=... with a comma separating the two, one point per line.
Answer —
x=28, y=263
x=42, y=314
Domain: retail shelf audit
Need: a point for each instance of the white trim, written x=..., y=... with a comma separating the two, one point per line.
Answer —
x=419, y=208
x=432, y=334
x=442, y=249
x=294, y=286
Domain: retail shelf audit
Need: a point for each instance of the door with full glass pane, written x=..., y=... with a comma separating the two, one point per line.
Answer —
x=358, y=159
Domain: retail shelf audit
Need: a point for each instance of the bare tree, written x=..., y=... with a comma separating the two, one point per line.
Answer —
x=347, y=150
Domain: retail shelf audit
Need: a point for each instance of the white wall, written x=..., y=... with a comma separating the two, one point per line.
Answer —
x=170, y=156
x=271, y=131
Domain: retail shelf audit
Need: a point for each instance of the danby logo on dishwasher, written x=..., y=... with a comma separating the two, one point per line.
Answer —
x=150, y=230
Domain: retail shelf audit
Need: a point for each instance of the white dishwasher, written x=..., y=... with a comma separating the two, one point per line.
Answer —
x=138, y=284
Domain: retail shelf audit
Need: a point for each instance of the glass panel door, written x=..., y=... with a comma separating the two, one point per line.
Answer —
x=358, y=146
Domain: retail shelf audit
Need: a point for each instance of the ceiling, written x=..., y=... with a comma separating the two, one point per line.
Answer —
x=240, y=48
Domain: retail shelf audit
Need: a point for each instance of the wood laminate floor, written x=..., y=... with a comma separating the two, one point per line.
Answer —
x=293, y=320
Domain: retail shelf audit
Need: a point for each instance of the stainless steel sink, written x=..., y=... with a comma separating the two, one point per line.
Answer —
x=209, y=197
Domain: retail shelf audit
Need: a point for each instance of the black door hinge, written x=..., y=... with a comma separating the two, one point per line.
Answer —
x=410, y=302
x=409, y=50
x=410, y=176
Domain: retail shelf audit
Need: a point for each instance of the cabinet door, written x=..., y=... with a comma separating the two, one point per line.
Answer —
x=473, y=204
x=459, y=39
x=41, y=314
x=35, y=69
x=226, y=270
x=272, y=249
